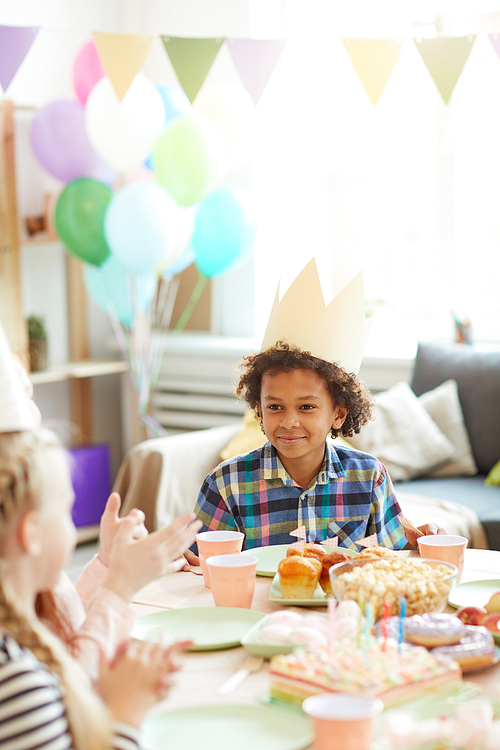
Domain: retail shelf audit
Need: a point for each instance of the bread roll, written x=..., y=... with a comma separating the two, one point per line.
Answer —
x=298, y=576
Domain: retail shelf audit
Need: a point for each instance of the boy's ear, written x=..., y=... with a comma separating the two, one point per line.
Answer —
x=259, y=410
x=29, y=533
x=341, y=413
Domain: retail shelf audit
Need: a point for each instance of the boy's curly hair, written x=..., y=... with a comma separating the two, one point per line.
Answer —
x=344, y=388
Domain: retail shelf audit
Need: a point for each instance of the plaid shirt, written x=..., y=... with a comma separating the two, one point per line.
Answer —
x=351, y=498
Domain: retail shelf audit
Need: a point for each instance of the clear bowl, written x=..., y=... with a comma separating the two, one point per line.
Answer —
x=425, y=584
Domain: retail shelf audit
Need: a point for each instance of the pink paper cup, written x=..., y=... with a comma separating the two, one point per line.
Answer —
x=342, y=721
x=447, y=547
x=232, y=579
x=217, y=543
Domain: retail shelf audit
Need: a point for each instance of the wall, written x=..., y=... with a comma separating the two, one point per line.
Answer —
x=46, y=75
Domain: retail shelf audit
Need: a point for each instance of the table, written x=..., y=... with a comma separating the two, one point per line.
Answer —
x=203, y=672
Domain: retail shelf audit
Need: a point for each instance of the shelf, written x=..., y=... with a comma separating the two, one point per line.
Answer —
x=89, y=368
x=40, y=239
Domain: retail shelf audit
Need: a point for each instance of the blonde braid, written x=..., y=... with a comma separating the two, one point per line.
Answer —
x=21, y=457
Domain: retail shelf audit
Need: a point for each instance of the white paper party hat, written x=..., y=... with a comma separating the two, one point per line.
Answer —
x=17, y=411
x=336, y=332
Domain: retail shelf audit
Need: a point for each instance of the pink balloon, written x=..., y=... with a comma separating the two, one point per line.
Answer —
x=87, y=71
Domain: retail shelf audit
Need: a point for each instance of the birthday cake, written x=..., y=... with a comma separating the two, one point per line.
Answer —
x=393, y=674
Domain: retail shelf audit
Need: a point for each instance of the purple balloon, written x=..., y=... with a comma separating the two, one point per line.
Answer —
x=61, y=145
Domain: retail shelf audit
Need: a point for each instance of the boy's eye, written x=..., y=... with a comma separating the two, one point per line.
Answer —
x=274, y=407
x=308, y=407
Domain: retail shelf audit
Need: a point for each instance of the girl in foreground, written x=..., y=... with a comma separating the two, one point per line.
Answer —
x=45, y=698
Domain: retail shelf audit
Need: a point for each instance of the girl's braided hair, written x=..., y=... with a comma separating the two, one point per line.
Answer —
x=21, y=471
x=344, y=388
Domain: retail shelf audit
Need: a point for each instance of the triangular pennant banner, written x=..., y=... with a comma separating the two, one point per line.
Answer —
x=15, y=43
x=191, y=59
x=445, y=59
x=255, y=60
x=495, y=41
x=374, y=61
x=122, y=57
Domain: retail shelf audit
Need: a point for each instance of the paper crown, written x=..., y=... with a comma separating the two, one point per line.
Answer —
x=336, y=332
x=17, y=411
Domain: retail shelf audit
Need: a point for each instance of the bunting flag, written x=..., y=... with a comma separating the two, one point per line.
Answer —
x=15, y=43
x=122, y=57
x=374, y=61
x=191, y=59
x=445, y=59
x=495, y=41
x=255, y=60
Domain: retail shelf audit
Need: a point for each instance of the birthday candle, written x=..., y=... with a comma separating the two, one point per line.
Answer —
x=402, y=615
x=385, y=621
x=368, y=627
x=332, y=620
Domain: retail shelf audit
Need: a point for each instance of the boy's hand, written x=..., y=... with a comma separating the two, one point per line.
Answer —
x=191, y=559
x=110, y=523
x=427, y=529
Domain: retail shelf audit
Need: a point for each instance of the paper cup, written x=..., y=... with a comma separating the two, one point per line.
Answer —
x=447, y=547
x=232, y=579
x=217, y=543
x=342, y=721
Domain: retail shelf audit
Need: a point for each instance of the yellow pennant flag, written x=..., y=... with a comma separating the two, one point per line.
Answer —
x=445, y=59
x=122, y=57
x=374, y=61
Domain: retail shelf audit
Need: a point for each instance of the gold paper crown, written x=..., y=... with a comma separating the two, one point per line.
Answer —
x=336, y=332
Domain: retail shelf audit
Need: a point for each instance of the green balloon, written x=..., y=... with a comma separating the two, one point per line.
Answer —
x=79, y=219
x=188, y=158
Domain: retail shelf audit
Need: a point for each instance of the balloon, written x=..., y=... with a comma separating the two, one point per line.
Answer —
x=189, y=158
x=224, y=230
x=180, y=257
x=141, y=226
x=124, y=133
x=117, y=291
x=61, y=144
x=231, y=108
x=176, y=104
x=175, y=101
x=87, y=71
x=79, y=219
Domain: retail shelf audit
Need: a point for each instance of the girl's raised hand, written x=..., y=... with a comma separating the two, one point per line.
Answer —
x=110, y=523
x=135, y=562
x=138, y=677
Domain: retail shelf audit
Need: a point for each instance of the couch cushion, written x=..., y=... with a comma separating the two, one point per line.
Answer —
x=477, y=374
x=403, y=436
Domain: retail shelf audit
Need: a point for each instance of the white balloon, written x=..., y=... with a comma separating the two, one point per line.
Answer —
x=123, y=133
x=231, y=108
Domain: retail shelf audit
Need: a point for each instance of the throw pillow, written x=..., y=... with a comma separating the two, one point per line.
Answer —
x=403, y=436
x=443, y=405
x=493, y=478
x=247, y=439
x=477, y=373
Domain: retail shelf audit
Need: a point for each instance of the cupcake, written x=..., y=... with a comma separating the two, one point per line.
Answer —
x=299, y=577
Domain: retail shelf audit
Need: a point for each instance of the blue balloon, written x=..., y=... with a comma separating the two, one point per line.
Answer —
x=176, y=104
x=224, y=230
x=117, y=291
x=141, y=226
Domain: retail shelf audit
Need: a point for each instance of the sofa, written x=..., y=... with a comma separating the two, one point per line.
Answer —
x=446, y=486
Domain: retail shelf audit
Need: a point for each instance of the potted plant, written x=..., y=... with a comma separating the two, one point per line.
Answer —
x=37, y=336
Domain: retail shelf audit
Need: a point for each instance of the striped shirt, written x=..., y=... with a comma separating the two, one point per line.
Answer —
x=32, y=713
x=352, y=497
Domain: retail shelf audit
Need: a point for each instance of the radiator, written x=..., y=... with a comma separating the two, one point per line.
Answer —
x=196, y=386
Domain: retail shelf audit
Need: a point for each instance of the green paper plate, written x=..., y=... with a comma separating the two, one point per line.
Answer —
x=474, y=594
x=270, y=557
x=210, y=628
x=319, y=599
x=227, y=727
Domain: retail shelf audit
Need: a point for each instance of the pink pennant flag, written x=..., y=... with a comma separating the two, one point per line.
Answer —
x=301, y=533
x=15, y=43
x=369, y=541
x=495, y=41
x=255, y=61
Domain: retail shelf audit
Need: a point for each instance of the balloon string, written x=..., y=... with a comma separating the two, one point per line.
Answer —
x=191, y=304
